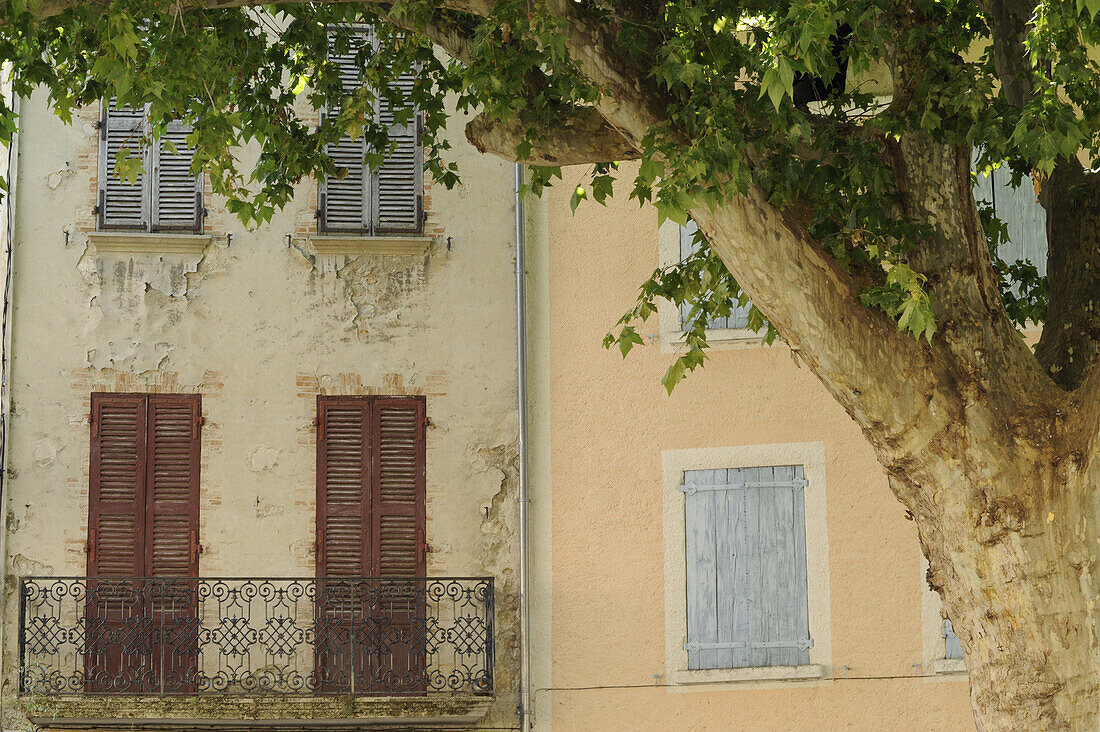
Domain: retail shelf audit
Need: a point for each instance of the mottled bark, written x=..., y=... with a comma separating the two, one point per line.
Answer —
x=580, y=135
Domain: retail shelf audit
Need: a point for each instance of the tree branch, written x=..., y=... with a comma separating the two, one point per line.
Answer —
x=578, y=135
x=1009, y=19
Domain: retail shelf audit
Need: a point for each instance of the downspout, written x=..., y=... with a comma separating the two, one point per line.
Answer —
x=524, y=541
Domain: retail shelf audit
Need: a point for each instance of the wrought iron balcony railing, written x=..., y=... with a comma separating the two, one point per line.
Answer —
x=253, y=636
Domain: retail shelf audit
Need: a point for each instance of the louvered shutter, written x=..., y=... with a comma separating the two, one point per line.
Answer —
x=345, y=201
x=177, y=193
x=398, y=182
x=116, y=490
x=122, y=205
x=739, y=315
x=343, y=453
x=398, y=486
x=173, y=485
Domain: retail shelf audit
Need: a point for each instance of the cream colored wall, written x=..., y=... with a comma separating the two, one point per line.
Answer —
x=610, y=423
x=259, y=328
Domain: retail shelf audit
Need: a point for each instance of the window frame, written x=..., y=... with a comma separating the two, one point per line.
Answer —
x=809, y=455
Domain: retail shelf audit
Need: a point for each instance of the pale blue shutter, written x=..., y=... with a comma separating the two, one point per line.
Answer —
x=739, y=315
x=1024, y=218
x=177, y=193
x=717, y=603
x=952, y=647
x=398, y=182
x=122, y=205
x=344, y=204
x=779, y=610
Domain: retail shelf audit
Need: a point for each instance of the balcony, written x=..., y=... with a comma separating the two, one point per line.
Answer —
x=301, y=653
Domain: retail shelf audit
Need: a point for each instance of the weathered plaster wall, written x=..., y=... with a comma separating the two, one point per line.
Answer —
x=608, y=423
x=260, y=328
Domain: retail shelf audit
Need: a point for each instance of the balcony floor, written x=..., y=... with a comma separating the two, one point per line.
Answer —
x=249, y=713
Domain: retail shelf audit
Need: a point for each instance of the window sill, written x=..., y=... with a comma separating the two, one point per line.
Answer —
x=149, y=243
x=810, y=672
x=186, y=713
x=947, y=666
x=355, y=245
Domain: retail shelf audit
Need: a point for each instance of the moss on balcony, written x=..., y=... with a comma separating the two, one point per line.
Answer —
x=240, y=713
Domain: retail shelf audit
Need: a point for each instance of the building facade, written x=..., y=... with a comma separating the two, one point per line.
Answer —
x=727, y=557
x=257, y=477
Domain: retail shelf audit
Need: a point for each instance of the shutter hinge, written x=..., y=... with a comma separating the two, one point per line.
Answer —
x=101, y=209
x=319, y=545
x=195, y=548
x=320, y=424
x=101, y=125
x=421, y=216
x=200, y=421
x=90, y=546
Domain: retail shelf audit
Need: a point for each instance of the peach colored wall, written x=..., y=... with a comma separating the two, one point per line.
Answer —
x=609, y=421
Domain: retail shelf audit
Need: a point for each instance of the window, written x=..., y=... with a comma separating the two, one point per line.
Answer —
x=952, y=648
x=370, y=530
x=166, y=196
x=738, y=317
x=385, y=200
x=143, y=522
x=746, y=568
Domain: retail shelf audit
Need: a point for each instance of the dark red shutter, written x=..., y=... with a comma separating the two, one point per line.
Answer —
x=172, y=507
x=397, y=487
x=116, y=489
x=343, y=454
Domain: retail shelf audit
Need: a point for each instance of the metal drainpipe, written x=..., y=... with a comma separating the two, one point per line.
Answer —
x=524, y=545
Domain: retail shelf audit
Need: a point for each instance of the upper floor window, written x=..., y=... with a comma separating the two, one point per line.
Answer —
x=739, y=315
x=384, y=200
x=747, y=599
x=166, y=196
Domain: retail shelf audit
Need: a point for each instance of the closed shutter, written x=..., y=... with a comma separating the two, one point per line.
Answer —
x=177, y=193
x=776, y=521
x=398, y=486
x=345, y=200
x=739, y=315
x=122, y=205
x=399, y=186
x=1021, y=213
x=173, y=480
x=343, y=454
x=952, y=647
x=116, y=490
x=746, y=568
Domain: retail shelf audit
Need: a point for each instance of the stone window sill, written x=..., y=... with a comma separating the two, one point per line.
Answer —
x=810, y=672
x=149, y=243
x=949, y=666
x=355, y=245
x=180, y=714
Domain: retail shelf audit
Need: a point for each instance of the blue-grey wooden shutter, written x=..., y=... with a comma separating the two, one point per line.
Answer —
x=745, y=546
x=177, y=193
x=952, y=647
x=717, y=580
x=775, y=502
x=739, y=316
x=1024, y=218
x=398, y=182
x=344, y=204
x=122, y=205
